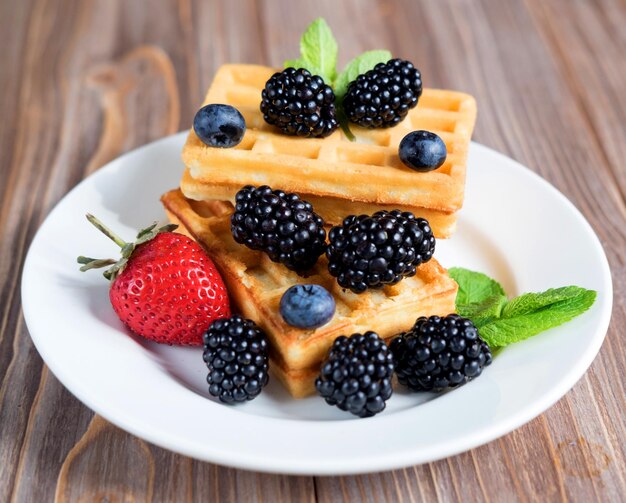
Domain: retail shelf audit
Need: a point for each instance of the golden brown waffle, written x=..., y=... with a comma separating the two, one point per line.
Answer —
x=368, y=170
x=299, y=382
x=256, y=284
x=332, y=209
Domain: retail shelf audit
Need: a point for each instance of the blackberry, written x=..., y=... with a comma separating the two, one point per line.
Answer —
x=280, y=224
x=383, y=96
x=236, y=353
x=439, y=353
x=373, y=251
x=356, y=376
x=299, y=104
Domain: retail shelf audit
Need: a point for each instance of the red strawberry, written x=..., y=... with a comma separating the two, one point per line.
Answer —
x=165, y=287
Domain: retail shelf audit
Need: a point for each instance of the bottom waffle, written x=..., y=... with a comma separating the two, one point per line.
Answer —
x=332, y=209
x=256, y=284
x=299, y=383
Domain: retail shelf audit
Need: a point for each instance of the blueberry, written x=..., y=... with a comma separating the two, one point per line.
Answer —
x=422, y=151
x=307, y=306
x=220, y=126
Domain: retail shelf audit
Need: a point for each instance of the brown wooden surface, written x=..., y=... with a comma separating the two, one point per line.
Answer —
x=84, y=81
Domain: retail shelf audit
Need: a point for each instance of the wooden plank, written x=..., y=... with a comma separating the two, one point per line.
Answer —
x=589, y=45
x=20, y=366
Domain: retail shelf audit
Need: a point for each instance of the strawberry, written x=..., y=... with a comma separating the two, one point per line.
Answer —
x=165, y=287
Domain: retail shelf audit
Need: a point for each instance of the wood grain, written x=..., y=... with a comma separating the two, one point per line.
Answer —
x=84, y=81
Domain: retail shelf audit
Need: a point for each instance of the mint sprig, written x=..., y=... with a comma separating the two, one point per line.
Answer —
x=318, y=54
x=501, y=321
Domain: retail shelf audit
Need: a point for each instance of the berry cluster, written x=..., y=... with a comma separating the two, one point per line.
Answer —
x=236, y=353
x=356, y=376
x=299, y=104
x=280, y=224
x=439, y=353
x=373, y=251
x=383, y=96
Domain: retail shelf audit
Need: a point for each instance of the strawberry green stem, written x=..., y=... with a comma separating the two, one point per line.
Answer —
x=106, y=231
x=93, y=263
x=117, y=266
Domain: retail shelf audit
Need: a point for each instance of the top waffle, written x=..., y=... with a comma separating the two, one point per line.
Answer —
x=368, y=170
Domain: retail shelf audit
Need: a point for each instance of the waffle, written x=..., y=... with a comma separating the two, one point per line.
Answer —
x=332, y=209
x=256, y=285
x=368, y=170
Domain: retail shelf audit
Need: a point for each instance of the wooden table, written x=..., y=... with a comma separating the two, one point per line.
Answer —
x=83, y=81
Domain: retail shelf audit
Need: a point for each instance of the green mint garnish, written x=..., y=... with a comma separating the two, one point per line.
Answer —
x=501, y=322
x=318, y=51
x=318, y=54
x=356, y=67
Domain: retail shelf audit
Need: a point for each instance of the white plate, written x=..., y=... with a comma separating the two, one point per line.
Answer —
x=514, y=226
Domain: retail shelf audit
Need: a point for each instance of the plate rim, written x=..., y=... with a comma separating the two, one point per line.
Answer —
x=389, y=461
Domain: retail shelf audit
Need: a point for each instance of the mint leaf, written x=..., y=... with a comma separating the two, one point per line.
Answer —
x=295, y=63
x=318, y=51
x=356, y=67
x=474, y=287
x=531, y=302
x=319, y=47
x=484, y=312
x=533, y=313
